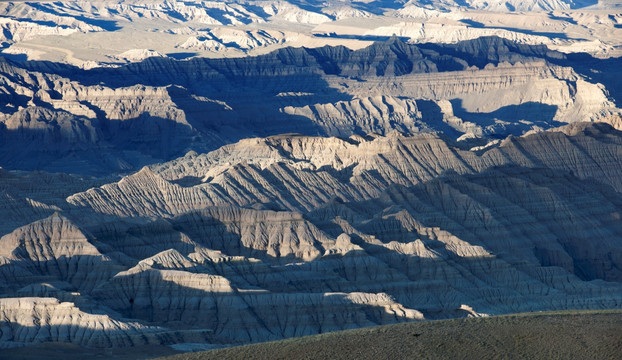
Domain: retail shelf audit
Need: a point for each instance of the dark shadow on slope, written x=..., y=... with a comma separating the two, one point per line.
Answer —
x=566, y=19
x=432, y=115
x=45, y=138
x=253, y=87
x=583, y=3
x=311, y=6
x=605, y=71
x=188, y=181
x=49, y=23
x=510, y=119
x=440, y=285
x=107, y=25
x=558, y=35
x=10, y=100
x=225, y=17
x=154, y=136
x=378, y=7
x=136, y=239
x=472, y=23
x=83, y=272
x=343, y=175
x=85, y=146
x=489, y=50
x=14, y=57
x=181, y=55
x=492, y=50
x=231, y=316
x=496, y=192
x=19, y=189
x=214, y=233
x=358, y=37
x=257, y=10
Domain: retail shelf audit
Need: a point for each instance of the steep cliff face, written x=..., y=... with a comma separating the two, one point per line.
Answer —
x=293, y=235
x=377, y=114
x=53, y=249
x=254, y=233
x=300, y=173
x=160, y=108
x=33, y=320
x=305, y=190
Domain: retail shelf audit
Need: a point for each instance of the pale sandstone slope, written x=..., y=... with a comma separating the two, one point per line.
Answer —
x=54, y=249
x=298, y=173
x=294, y=235
x=160, y=108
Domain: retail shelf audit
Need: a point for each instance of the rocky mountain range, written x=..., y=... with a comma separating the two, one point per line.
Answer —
x=119, y=119
x=271, y=190
x=112, y=32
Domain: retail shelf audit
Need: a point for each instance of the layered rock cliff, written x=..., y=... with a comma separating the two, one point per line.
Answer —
x=306, y=190
x=160, y=108
x=293, y=235
x=300, y=173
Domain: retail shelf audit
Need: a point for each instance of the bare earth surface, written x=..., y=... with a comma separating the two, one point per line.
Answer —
x=559, y=335
x=184, y=175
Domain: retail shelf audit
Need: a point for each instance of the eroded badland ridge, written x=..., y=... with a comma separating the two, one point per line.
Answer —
x=306, y=168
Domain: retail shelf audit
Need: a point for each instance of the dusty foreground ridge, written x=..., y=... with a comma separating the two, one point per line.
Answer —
x=568, y=335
